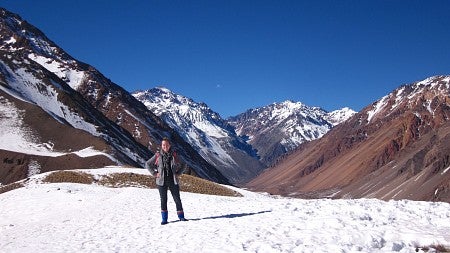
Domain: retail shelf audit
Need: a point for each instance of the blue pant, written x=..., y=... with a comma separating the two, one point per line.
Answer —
x=175, y=191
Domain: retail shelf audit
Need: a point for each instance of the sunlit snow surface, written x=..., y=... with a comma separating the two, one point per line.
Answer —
x=16, y=136
x=88, y=218
x=71, y=76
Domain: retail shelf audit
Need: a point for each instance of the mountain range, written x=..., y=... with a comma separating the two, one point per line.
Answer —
x=226, y=144
x=59, y=113
x=396, y=148
x=84, y=107
x=211, y=136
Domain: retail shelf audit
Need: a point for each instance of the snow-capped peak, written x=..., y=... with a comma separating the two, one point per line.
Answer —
x=164, y=103
x=338, y=116
x=280, y=127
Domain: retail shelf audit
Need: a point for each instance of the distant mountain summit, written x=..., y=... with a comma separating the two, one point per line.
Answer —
x=281, y=127
x=395, y=148
x=213, y=138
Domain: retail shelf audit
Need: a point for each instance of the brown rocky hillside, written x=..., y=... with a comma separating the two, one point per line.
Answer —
x=396, y=148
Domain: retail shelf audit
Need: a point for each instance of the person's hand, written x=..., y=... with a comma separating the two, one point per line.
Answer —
x=157, y=175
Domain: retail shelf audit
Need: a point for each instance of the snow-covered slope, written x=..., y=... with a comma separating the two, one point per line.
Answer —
x=18, y=137
x=24, y=82
x=206, y=131
x=68, y=218
x=338, y=116
x=281, y=127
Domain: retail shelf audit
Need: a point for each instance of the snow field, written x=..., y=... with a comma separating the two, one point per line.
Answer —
x=87, y=218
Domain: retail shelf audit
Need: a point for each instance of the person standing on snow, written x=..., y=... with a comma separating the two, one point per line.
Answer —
x=165, y=167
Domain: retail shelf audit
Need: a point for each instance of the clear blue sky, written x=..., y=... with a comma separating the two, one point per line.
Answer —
x=237, y=55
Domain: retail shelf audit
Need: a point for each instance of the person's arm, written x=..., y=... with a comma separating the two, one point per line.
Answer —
x=150, y=165
x=179, y=169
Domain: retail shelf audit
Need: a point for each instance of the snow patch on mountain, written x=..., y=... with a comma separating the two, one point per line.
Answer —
x=34, y=91
x=72, y=77
x=408, y=95
x=34, y=168
x=338, y=116
x=15, y=136
x=377, y=107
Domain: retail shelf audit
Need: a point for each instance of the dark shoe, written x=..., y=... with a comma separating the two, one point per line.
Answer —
x=164, y=222
x=181, y=216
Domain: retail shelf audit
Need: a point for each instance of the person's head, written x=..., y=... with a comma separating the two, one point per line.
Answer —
x=165, y=144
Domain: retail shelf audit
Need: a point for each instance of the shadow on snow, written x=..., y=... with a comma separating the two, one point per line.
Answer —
x=230, y=216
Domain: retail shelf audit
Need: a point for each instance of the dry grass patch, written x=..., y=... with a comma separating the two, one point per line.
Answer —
x=126, y=179
x=198, y=185
x=10, y=187
x=69, y=177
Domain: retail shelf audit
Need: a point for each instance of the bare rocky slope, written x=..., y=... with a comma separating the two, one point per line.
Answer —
x=396, y=148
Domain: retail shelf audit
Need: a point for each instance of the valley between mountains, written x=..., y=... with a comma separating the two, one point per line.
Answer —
x=57, y=113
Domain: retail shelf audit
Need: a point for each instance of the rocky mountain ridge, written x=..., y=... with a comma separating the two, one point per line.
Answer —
x=396, y=148
x=279, y=128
